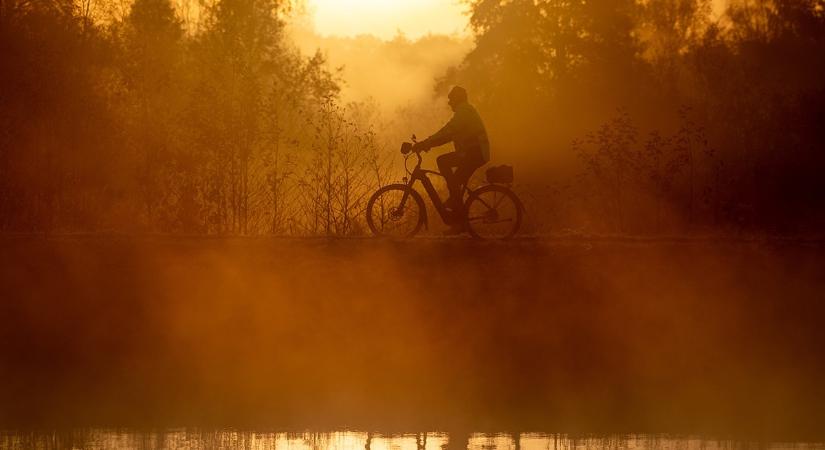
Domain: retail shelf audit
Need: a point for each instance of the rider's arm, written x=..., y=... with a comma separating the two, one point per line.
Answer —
x=442, y=136
x=446, y=134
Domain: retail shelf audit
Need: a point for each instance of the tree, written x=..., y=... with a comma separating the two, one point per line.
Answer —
x=236, y=59
x=151, y=69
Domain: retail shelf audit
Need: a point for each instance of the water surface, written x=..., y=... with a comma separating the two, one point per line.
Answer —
x=705, y=339
x=350, y=440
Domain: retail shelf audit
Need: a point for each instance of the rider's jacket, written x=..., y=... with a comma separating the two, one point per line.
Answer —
x=465, y=130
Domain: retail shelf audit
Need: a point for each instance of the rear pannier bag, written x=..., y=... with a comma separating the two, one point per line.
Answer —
x=500, y=174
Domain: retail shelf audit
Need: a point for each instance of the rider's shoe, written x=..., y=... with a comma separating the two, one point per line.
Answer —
x=452, y=217
x=449, y=203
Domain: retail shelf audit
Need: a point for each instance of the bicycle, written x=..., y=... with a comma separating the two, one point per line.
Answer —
x=492, y=211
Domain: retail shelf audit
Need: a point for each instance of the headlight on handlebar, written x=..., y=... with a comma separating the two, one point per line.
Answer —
x=406, y=148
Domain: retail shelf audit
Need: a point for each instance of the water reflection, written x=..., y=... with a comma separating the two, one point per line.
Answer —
x=197, y=439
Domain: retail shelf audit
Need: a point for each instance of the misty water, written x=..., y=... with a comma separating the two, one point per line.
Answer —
x=210, y=343
x=352, y=440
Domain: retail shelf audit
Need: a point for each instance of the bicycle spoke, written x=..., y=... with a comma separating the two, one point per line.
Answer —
x=485, y=203
x=499, y=202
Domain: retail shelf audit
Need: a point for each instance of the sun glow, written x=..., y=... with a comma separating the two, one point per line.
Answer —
x=385, y=18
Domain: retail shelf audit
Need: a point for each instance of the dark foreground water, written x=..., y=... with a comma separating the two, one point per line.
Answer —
x=642, y=340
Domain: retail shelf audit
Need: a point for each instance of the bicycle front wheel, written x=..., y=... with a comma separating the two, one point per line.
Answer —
x=395, y=211
x=493, y=212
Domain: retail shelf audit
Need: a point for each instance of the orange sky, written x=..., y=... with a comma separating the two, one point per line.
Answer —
x=384, y=18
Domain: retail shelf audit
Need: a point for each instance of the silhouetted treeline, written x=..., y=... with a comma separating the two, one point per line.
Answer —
x=140, y=123
x=683, y=115
x=661, y=116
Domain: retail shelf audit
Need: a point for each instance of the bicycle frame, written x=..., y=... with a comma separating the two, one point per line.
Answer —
x=419, y=174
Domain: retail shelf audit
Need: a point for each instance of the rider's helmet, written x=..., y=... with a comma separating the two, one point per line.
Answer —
x=457, y=96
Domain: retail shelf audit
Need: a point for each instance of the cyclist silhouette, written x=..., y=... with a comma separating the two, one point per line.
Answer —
x=472, y=150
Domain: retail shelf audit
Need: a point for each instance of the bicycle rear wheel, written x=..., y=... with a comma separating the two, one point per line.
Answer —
x=395, y=211
x=493, y=212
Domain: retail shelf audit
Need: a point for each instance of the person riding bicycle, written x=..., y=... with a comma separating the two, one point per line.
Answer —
x=472, y=149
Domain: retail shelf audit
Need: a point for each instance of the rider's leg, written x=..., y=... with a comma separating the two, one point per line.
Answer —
x=463, y=173
x=460, y=177
x=446, y=163
x=467, y=164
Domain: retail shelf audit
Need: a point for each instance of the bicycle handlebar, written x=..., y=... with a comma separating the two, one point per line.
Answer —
x=407, y=151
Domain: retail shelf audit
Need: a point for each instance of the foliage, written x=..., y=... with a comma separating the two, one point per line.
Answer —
x=730, y=101
x=138, y=124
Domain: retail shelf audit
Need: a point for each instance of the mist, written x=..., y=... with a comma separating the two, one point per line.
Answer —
x=632, y=119
x=586, y=337
x=189, y=253
x=394, y=74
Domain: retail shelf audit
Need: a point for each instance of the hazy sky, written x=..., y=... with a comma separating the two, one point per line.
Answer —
x=384, y=18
